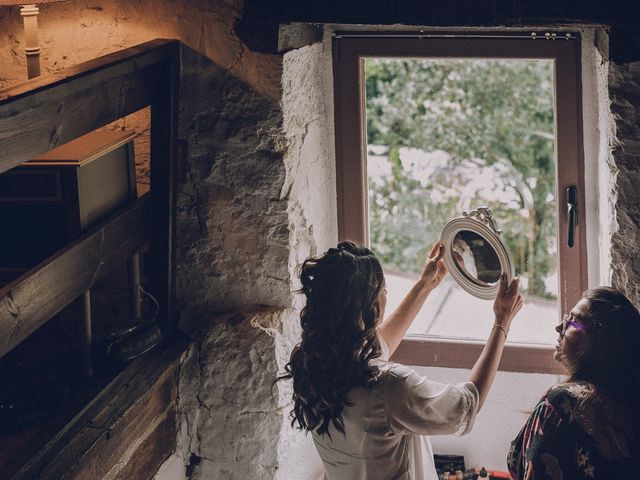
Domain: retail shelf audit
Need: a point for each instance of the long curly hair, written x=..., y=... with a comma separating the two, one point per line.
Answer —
x=342, y=290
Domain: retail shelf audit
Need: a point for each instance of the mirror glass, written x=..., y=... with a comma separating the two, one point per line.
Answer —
x=476, y=258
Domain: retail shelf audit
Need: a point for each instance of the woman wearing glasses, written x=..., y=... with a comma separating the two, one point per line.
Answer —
x=589, y=426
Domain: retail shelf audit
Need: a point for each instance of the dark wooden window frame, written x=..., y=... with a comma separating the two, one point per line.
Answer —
x=349, y=49
x=46, y=112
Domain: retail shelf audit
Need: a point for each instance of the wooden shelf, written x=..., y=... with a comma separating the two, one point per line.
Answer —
x=36, y=117
x=91, y=443
x=45, y=112
x=30, y=300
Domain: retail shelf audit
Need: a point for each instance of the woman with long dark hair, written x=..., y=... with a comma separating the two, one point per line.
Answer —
x=369, y=417
x=588, y=426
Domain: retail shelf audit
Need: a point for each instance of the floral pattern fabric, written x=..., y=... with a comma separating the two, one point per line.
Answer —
x=576, y=432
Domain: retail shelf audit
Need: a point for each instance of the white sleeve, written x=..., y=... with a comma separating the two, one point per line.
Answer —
x=384, y=355
x=416, y=405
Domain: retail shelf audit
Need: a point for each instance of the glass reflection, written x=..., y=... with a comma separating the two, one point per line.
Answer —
x=476, y=258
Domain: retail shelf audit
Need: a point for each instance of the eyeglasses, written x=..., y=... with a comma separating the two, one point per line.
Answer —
x=567, y=321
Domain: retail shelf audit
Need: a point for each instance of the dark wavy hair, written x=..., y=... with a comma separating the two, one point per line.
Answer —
x=612, y=358
x=342, y=289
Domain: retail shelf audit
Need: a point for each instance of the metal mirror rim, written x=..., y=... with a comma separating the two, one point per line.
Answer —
x=480, y=222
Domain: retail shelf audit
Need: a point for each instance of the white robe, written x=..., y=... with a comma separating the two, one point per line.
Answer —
x=386, y=426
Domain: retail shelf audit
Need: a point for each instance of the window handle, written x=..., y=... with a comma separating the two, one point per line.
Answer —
x=572, y=214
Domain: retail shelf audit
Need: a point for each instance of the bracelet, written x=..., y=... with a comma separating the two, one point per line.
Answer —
x=501, y=328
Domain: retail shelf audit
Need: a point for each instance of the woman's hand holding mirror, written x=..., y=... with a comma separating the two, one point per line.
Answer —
x=434, y=268
x=507, y=303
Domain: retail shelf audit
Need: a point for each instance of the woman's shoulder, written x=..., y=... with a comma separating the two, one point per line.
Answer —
x=560, y=402
x=392, y=372
x=397, y=378
x=578, y=395
x=574, y=390
x=402, y=380
x=396, y=369
x=598, y=414
x=570, y=394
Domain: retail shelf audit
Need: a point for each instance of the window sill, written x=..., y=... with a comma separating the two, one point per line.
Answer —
x=447, y=353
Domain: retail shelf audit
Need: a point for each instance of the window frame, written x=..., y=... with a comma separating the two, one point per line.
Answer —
x=349, y=48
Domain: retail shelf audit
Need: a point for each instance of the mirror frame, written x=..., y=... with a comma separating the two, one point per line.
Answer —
x=480, y=222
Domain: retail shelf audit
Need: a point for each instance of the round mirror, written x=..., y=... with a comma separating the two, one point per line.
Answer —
x=475, y=254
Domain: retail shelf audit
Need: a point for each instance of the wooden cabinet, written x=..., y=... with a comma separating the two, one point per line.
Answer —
x=46, y=202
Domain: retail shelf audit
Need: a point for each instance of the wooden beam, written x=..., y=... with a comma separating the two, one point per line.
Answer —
x=45, y=112
x=29, y=301
x=164, y=132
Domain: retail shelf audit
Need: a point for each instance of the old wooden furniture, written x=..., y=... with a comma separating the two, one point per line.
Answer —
x=36, y=117
x=49, y=201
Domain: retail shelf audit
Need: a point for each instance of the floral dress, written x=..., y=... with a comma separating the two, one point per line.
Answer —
x=576, y=432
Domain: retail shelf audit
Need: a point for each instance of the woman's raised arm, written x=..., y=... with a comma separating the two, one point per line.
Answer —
x=507, y=304
x=394, y=327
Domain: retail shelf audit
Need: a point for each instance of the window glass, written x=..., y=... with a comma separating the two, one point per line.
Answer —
x=445, y=136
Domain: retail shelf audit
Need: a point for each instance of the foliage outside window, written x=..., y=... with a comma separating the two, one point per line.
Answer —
x=444, y=135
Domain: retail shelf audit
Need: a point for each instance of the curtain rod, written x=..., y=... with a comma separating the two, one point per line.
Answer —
x=542, y=35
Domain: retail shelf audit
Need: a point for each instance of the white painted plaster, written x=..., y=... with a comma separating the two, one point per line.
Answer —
x=172, y=469
x=598, y=127
x=309, y=188
x=512, y=397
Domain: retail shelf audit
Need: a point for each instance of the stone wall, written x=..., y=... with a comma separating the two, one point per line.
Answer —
x=273, y=200
x=237, y=218
x=624, y=88
x=310, y=159
x=232, y=222
x=307, y=105
x=228, y=401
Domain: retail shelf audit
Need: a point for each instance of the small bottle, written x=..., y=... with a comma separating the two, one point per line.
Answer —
x=459, y=475
x=483, y=473
x=470, y=474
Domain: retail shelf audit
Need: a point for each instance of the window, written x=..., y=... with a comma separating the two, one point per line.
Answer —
x=427, y=126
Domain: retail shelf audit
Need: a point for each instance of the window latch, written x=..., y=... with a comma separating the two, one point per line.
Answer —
x=572, y=214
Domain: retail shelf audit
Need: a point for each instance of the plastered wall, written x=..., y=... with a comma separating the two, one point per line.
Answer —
x=511, y=400
x=78, y=30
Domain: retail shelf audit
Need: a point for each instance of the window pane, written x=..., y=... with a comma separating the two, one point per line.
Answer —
x=450, y=135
